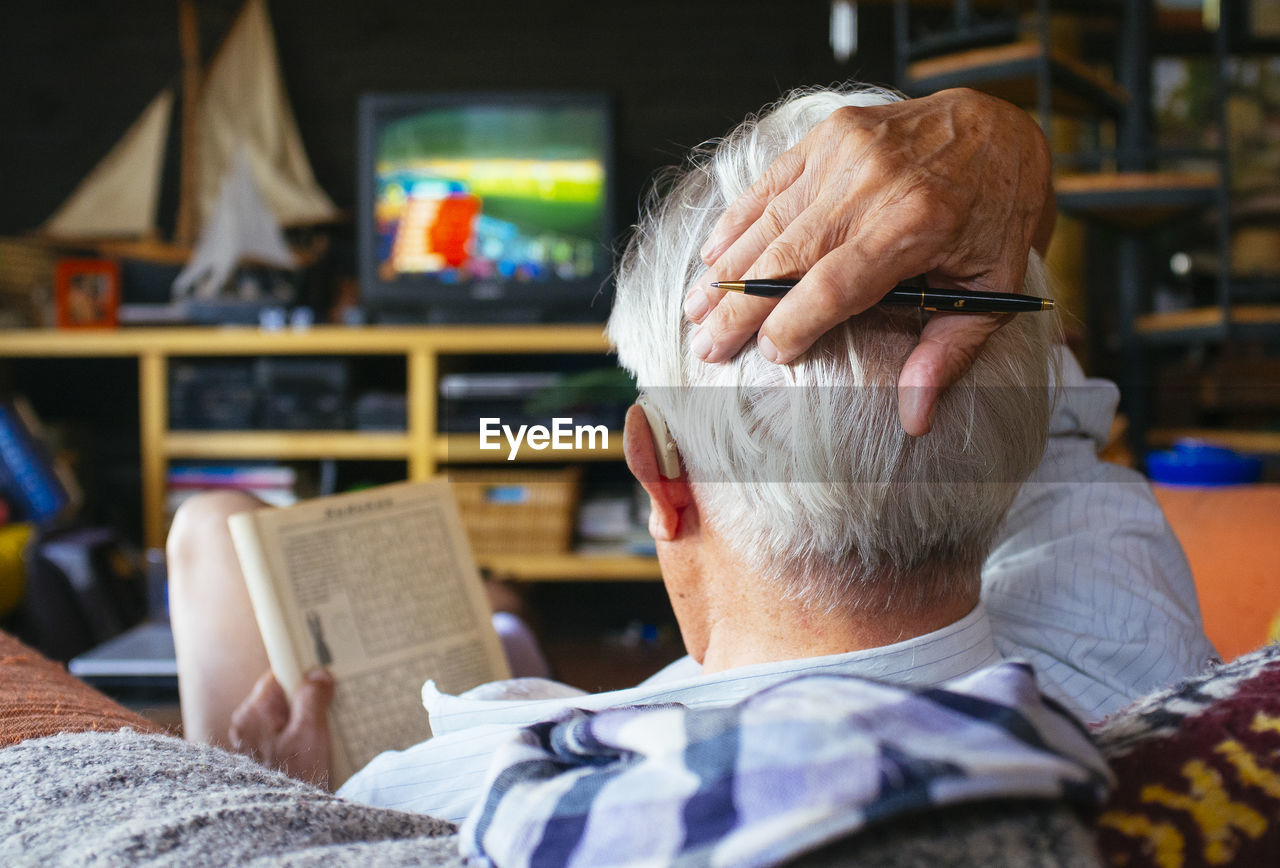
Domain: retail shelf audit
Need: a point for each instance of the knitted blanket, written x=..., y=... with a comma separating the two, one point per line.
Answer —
x=125, y=798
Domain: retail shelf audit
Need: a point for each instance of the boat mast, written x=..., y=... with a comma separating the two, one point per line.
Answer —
x=188, y=196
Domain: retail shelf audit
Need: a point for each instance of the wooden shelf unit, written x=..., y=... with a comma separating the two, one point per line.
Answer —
x=302, y=445
x=1009, y=72
x=570, y=568
x=420, y=446
x=465, y=449
x=1207, y=323
x=1136, y=199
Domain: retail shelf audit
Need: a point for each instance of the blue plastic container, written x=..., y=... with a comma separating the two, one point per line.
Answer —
x=1194, y=462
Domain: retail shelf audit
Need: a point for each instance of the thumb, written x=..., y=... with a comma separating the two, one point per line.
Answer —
x=949, y=343
x=308, y=709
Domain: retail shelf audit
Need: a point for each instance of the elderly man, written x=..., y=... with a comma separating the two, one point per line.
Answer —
x=799, y=527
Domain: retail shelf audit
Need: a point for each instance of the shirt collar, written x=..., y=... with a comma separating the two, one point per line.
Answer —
x=962, y=647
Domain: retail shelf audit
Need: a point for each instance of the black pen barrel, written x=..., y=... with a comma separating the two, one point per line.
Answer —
x=952, y=300
x=964, y=301
x=762, y=288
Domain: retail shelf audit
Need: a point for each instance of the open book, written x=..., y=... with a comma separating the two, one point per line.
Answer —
x=380, y=587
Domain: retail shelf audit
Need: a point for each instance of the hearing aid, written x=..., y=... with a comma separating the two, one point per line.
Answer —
x=663, y=446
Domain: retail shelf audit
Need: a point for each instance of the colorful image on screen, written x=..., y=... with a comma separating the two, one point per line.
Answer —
x=492, y=192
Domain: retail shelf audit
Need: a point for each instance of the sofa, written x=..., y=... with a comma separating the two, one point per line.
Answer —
x=1231, y=535
x=1197, y=769
x=1197, y=766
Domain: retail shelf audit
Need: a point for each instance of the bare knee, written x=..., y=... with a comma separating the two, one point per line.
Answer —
x=199, y=529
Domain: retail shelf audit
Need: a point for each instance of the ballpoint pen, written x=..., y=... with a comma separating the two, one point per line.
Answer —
x=953, y=300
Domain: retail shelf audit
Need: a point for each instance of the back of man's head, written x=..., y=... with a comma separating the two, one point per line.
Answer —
x=804, y=469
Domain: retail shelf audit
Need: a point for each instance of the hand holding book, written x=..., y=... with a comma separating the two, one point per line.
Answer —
x=287, y=733
x=378, y=587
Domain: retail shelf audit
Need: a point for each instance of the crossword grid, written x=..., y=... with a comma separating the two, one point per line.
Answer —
x=397, y=693
x=401, y=720
x=399, y=609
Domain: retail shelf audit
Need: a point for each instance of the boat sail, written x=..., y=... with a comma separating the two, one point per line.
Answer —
x=118, y=198
x=244, y=107
x=245, y=134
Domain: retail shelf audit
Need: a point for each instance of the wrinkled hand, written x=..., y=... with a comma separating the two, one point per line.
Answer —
x=292, y=736
x=955, y=186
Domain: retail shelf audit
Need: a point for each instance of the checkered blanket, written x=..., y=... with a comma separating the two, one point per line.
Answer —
x=791, y=768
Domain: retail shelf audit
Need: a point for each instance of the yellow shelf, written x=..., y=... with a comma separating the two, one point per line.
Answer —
x=570, y=568
x=319, y=340
x=420, y=447
x=287, y=444
x=465, y=449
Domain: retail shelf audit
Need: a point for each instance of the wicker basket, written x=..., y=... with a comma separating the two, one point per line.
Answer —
x=528, y=512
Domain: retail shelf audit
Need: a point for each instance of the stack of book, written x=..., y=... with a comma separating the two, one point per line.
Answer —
x=271, y=483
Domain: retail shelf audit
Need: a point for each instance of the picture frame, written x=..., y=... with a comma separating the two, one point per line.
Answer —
x=87, y=293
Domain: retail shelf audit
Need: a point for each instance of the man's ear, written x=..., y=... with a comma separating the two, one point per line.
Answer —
x=668, y=498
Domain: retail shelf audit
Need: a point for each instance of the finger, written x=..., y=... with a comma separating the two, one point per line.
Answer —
x=776, y=217
x=308, y=710
x=729, y=326
x=262, y=715
x=792, y=252
x=948, y=346
x=1010, y=273
x=744, y=211
x=845, y=282
x=304, y=744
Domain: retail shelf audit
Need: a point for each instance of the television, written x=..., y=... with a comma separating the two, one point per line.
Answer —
x=485, y=207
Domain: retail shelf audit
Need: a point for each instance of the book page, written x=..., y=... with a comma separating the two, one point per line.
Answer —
x=379, y=587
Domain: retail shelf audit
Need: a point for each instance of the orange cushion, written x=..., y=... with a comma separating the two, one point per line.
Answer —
x=38, y=698
x=1232, y=538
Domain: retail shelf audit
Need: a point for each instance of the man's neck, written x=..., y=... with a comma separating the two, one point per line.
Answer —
x=749, y=623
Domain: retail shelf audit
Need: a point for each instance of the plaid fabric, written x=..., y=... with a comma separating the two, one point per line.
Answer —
x=776, y=775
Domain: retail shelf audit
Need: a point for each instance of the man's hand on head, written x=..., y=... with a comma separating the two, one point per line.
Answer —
x=954, y=186
x=291, y=735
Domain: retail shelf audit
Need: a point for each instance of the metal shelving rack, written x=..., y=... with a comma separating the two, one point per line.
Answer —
x=1118, y=189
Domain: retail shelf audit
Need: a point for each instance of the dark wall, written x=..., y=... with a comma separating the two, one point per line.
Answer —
x=76, y=74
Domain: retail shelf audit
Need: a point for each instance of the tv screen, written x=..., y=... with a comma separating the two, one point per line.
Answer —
x=485, y=207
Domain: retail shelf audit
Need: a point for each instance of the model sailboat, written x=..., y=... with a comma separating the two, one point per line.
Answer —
x=245, y=174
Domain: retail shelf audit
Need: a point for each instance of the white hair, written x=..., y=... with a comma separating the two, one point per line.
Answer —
x=804, y=469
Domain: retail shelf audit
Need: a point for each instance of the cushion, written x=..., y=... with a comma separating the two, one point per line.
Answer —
x=1198, y=768
x=1229, y=535
x=39, y=697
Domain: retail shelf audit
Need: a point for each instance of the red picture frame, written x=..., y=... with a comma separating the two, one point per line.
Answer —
x=87, y=293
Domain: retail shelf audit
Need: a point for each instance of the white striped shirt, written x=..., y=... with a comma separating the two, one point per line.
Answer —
x=1086, y=582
